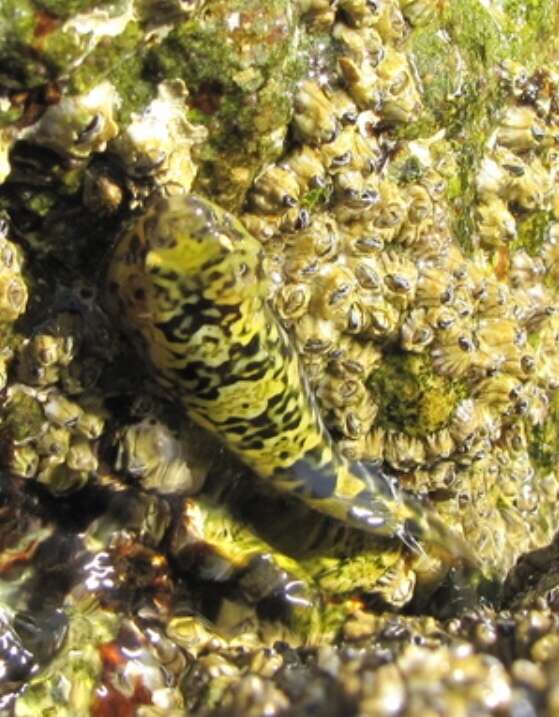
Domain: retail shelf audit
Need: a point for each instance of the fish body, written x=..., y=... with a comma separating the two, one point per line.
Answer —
x=186, y=282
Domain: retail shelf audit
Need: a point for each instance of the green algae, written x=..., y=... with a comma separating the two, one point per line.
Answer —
x=457, y=58
x=121, y=60
x=35, y=48
x=64, y=9
x=38, y=48
x=239, y=62
x=23, y=418
x=543, y=439
x=412, y=397
x=533, y=230
x=316, y=198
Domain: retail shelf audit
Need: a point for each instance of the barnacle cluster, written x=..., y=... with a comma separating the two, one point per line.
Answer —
x=424, y=352
x=398, y=162
x=13, y=291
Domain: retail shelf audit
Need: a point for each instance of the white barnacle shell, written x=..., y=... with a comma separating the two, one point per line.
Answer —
x=416, y=333
x=358, y=44
x=314, y=335
x=384, y=320
x=520, y=129
x=81, y=456
x=320, y=239
x=373, y=448
x=54, y=443
x=434, y=182
x=292, y=301
x=349, y=186
x=301, y=266
x=13, y=295
x=538, y=406
x=531, y=188
x=399, y=277
x=442, y=318
x=391, y=24
x=336, y=155
x=342, y=393
x=306, y=166
x=100, y=22
x=515, y=438
x=493, y=178
x=402, y=451
x=456, y=351
x=362, y=238
x=526, y=270
x=346, y=109
x=159, y=141
x=400, y=99
x=10, y=256
x=333, y=293
x=498, y=391
x=306, y=251
x=495, y=222
x=358, y=200
x=7, y=138
x=361, y=81
x=367, y=154
x=420, y=205
x=360, y=13
x=264, y=227
x=40, y=359
x=462, y=301
x=369, y=273
x=78, y=125
x=353, y=358
x=314, y=119
x=151, y=453
x=295, y=219
x=61, y=411
x=439, y=444
x=498, y=336
x=391, y=210
x=435, y=286
x=465, y=421
x=275, y=190
x=416, y=236
x=347, y=399
x=493, y=298
x=418, y=12
x=22, y=460
x=357, y=319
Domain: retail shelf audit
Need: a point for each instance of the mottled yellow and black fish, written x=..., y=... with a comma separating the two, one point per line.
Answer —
x=186, y=282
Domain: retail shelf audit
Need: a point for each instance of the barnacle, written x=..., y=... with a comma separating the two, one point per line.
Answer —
x=80, y=125
x=160, y=140
x=397, y=163
x=400, y=101
x=315, y=117
x=152, y=455
x=13, y=289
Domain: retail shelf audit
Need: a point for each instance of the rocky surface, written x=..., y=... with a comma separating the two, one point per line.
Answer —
x=398, y=161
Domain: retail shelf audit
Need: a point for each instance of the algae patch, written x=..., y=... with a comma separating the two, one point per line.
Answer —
x=412, y=396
